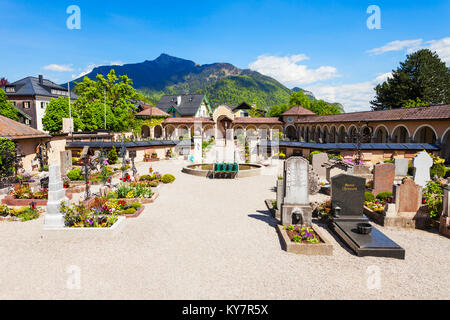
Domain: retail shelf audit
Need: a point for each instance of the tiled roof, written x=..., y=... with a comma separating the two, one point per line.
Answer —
x=188, y=120
x=438, y=112
x=151, y=111
x=298, y=111
x=188, y=105
x=244, y=120
x=31, y=86
x=14, y=130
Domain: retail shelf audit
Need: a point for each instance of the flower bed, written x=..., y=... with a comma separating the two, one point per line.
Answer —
x=19, y=214
x=304, y=240
x=107, y=207
x=27, y=198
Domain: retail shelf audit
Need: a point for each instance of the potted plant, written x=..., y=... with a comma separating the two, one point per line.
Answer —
x=154, y=155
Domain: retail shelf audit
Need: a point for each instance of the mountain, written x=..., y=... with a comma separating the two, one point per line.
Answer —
x=309, y=94
x=222, y=82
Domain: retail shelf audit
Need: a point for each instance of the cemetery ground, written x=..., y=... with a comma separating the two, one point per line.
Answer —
x=212, y=239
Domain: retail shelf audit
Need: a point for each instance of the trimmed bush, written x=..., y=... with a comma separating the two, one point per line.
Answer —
x=75, y=174
x=438, y=170
x=112, y=156
x=312, y=153
x=136, y=205
x=368, y=196
x=168, y=178
x=145, y=177
x=112, y=195
x=384, y=195
x=130, y=211
x=153, y=183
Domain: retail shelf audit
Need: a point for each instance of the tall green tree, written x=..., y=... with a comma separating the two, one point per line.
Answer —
x=422, y=76
x=56, y=110
x=6, y=108
x=120, y=96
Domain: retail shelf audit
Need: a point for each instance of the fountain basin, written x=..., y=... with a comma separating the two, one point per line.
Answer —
x=206, y=170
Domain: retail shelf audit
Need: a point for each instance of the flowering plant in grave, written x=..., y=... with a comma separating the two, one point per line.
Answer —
x=303, y=234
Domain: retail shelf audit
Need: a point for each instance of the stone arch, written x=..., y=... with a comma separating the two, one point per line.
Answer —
x=251, y=131
x=333, y=133
x=341, y=134
x=262, y=134
x=381, y=134
x=170, y=132
x=274, y=128
x=400, y=134
x=445, y=145
x=145, y=131
x=325, y=134
x=291, y=132
x=366, y=134
x=158, y=132
x=425, y=134
x=351, y=134
x=183, y=130
x=317, y=134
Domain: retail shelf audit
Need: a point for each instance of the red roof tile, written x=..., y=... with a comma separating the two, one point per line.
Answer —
x=14, y=130
x=152, y=111
x=243, y=120
x=298, y=111
x=188, y=120
x=438, y=112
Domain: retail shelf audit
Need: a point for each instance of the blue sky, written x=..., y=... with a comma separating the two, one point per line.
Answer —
x=322, y=46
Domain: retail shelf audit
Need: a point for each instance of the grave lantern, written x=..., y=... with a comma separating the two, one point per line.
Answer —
x=33, y=205
x=337, y=212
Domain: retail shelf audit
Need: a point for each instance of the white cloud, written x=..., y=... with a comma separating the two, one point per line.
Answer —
x=87, y=70
x=354, y=97
x=289, y=72
x=58, y=67
x=396, y=45
x=441, y=46
x=116, y=63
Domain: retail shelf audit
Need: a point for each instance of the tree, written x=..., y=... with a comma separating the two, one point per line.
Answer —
x=422, y=76
x=415, y=103
x=120, y=95
x=6, y=108
x=300, y=99
x=3, y=82
x=319, y=107
x=56, y=110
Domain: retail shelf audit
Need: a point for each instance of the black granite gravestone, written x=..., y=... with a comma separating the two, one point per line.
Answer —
x=347, y=195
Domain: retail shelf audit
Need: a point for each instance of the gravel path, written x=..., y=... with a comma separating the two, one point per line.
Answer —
x=211, y=239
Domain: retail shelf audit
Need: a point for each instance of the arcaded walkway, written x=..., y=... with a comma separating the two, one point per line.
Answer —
x=211, y=239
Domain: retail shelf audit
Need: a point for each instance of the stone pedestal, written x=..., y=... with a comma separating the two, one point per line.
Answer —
x=56, y=194
x=444, y=226
x=296, y=214
x=280, y=196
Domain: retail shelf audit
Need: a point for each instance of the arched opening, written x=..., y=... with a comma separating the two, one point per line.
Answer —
x=400, y=135
x=341, y=135
x=183, y=132
x=291, y=133
x=145, y=131
x=157, y=131
x=317, y=135
x=325, y=136
x=445, y=146
x=170, y=133
x=332, y=136
x=352, y=135
x=381, y=135
x=366, y=135
x=277, y=132
x=425, y=134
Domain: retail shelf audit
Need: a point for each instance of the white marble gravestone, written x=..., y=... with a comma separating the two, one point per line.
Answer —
x=296, y=191
x=56, y=193
x=253, y=150
x=197, y=149
x=422, y=163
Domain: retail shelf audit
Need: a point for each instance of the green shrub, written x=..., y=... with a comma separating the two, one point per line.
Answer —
x=153, y=183
x=112, y=195
x=112, y=156
x=75, y=174
x=136, y=205
x=438, y=170
x=129, y=211
x=384, y=195
x=410, y=169
x=389, y=161
x=145, y=177
x=368, y=196
x=168, y=178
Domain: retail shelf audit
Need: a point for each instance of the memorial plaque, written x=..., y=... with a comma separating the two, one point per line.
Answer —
x=347, y=192
x=132, y=153
x=408, y=196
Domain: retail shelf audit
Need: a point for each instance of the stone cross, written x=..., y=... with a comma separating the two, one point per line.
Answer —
x=422, y=163
x=56, y=193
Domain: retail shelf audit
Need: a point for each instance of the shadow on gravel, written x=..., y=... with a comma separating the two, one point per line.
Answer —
x=264, y=216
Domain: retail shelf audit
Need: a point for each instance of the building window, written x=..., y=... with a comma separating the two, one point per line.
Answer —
x=27, y=122
x=290, y=119
x=174, y=114
x=26, y=104
x=42, y=105
x=10, y=89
